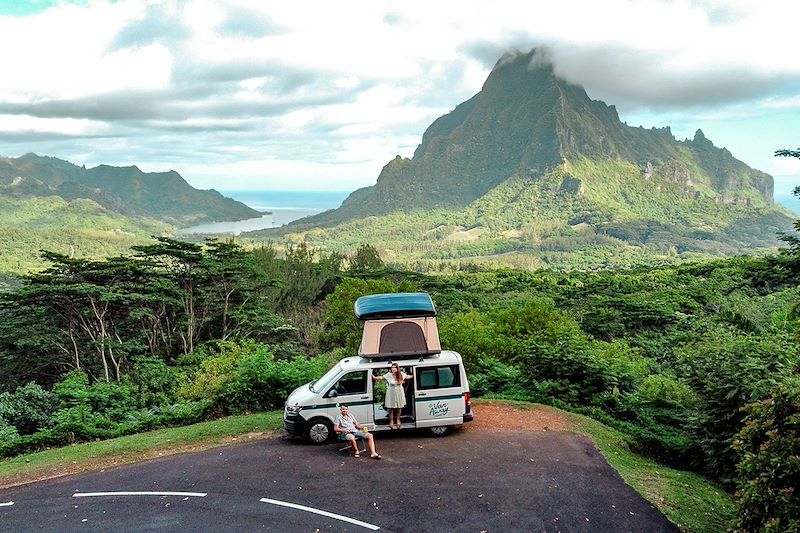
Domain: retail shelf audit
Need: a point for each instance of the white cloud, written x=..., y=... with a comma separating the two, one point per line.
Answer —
x=326, y=93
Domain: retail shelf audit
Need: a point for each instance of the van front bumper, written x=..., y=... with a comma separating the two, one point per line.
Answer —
x=295, y=424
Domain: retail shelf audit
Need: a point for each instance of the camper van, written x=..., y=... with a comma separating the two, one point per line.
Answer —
x=398, y=328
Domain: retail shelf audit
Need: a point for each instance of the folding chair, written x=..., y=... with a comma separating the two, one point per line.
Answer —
x=361, y=442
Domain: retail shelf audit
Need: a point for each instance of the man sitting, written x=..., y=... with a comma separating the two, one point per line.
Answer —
x=347, y=425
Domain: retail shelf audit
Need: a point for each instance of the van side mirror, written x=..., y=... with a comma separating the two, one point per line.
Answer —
x=331, y=394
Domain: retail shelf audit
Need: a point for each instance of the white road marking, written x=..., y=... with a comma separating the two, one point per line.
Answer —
x=6, y=504
x=139, y=493
x=323, y=513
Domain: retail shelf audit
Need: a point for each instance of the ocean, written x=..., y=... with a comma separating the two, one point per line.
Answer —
x=784, y=188
x=283, y=207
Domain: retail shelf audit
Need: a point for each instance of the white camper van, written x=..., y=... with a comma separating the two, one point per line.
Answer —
x=398, y=328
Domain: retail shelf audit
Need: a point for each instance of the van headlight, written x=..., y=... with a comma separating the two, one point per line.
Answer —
x=292, y=409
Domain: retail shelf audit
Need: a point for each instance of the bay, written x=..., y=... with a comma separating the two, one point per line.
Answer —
x=280, y=207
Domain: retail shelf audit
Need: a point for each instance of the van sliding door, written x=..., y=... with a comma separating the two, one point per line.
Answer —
x=438, y=396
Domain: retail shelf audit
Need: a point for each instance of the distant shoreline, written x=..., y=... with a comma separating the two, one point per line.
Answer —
x=277, y=208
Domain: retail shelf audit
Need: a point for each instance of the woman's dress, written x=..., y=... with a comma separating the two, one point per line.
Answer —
x=395, y=395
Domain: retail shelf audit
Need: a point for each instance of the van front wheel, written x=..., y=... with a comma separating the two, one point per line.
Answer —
x=319, y=431
x=439, y=431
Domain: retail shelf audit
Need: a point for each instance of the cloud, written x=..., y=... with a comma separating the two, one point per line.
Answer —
x=249, y=23
x=324, y=85
x=158, y=24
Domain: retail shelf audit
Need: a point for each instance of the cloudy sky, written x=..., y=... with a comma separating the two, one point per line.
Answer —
x=260, y=95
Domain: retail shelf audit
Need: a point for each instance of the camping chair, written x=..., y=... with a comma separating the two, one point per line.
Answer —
x=361, y=442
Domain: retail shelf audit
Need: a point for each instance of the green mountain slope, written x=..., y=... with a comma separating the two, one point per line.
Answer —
x=532, y=166
x=78, y=228
x=127, y=190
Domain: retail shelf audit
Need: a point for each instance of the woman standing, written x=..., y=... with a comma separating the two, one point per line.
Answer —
x=395, y=394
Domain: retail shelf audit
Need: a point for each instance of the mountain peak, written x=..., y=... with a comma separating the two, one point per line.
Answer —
x=527, y=121
x=537, y=58
x=701, y=140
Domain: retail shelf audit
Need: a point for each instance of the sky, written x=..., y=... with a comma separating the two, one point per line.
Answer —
x=320, y=95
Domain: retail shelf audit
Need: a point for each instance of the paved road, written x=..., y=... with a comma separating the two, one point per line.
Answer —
x=471, y=481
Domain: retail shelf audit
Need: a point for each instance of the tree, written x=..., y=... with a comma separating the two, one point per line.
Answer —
x=74, y=309
x=182, y=263
x=99, y=315
x=365, y=258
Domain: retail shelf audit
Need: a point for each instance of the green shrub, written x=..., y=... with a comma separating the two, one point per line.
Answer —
x=260, y=382
x=727, y=372
x=249, y=376
x=112, y=400
x=8, y=432
x=78, y=423
x=660, y=390
x=28, y=408
x=768, y=488
x=73, y=389
x=154, y=383
x=498, y=379
x=217, y=362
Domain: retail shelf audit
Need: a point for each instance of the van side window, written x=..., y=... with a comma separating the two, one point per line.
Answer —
x=351, y=383
x=438, y=377
x=447, y=378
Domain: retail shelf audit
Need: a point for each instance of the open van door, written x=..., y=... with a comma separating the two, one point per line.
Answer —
x=355, y=390
x=438, y=396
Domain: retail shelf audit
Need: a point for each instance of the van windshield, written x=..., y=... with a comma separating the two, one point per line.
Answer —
x=325, y=381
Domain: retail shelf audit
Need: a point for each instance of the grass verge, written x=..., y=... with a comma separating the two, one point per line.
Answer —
x=691, y=501
x=89, y=456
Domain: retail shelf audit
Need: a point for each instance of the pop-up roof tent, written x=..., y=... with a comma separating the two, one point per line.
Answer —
x=397, y=325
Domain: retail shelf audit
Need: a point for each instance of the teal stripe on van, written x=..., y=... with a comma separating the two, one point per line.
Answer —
x=335, y=404
x=429, y=398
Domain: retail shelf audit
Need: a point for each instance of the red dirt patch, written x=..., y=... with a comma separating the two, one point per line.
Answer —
x=493, y=415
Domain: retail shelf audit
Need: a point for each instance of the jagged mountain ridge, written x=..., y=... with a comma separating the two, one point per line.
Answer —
x=163, y=196
x=526, y=120
x=531, y=172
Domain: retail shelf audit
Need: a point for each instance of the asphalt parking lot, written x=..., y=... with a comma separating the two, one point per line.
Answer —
x=481, y=481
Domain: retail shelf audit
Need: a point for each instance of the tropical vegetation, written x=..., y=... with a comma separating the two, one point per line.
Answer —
x=697, y=364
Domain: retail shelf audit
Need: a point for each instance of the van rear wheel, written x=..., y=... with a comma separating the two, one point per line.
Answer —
x=319, y=431
x=439, y=431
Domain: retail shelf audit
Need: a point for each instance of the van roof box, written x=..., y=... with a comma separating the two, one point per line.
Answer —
x=397, y=325
x=397, y=305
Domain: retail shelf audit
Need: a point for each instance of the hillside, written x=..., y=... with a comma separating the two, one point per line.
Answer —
x=530, y=171
x=78, y=228
x=163, y=196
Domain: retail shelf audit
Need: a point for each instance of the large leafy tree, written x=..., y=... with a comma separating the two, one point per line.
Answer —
x=75, y=314
x=99, y=315
x=181, y=263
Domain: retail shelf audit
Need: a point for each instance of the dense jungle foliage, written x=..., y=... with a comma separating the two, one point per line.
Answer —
x=698, y=362
x=584, y=215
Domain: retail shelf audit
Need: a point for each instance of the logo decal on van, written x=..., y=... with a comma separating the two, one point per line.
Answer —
x=437, y=409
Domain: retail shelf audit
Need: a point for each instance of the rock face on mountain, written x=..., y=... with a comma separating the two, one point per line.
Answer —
x=127, y=190
x=526, y=121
